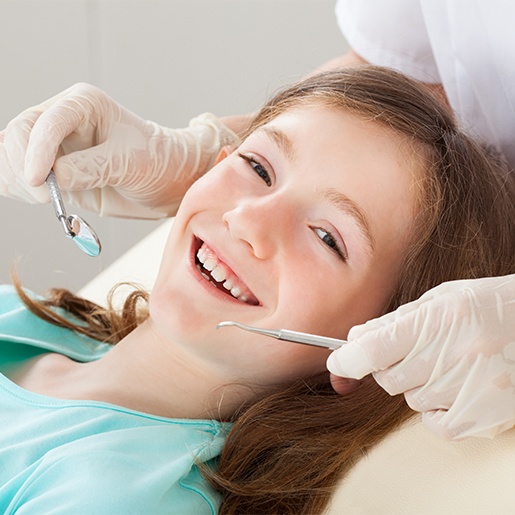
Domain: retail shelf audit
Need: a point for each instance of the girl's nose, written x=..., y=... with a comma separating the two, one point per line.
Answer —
x=261, y=224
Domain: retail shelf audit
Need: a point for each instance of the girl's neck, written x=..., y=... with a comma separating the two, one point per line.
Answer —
x=141, y=373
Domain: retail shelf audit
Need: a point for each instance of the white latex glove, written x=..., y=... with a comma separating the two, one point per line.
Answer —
x=108, y=159
x=451, y=352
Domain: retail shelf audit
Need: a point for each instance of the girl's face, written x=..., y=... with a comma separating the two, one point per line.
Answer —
x=302, y=228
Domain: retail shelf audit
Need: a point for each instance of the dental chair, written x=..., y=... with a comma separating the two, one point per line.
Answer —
x=411, y=472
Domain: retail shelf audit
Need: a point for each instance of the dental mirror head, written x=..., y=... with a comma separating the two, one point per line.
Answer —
x=74, y=226
x=85, y=237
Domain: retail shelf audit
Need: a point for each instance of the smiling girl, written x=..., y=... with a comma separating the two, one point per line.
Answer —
x=353, y=192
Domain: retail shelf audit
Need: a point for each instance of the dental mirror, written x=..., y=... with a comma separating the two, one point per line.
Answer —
x=74, y=226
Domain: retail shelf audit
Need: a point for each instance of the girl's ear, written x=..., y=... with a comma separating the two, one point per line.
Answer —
x=224, y=152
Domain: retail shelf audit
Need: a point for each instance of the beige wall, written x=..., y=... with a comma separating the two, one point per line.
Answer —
x=167, y=60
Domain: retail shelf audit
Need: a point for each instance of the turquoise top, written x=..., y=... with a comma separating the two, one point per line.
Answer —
x=85, y=457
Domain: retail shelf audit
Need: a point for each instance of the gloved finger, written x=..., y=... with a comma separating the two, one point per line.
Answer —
x=434, y=367
x=47, y=135
x=434, y=302
x=352, y=363
x=445, y=425
x=403, y=378
x=372, y=325
x=16, y=138
x=436, y=421
x=84, y=170
x=103, y=165
x=426, y=399
x=386, y=320
x=421, y=367
x=433, y=420
x=376, y=349
x=12, y=186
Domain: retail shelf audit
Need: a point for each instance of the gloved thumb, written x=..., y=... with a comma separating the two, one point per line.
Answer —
x=350, y=361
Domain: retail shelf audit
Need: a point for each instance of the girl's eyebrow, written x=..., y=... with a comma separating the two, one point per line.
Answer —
x=349, y=207
x=281, y=140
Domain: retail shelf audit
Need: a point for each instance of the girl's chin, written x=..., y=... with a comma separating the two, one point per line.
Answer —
x=182, y=319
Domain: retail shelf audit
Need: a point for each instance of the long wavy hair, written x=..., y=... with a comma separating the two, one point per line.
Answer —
x=287, y=450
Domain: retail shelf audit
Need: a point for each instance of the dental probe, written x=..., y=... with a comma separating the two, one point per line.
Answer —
x=291, y=336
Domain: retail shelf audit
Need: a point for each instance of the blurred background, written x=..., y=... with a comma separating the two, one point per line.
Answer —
x=166, y=60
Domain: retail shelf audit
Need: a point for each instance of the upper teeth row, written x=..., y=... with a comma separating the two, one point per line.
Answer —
x=219, y=274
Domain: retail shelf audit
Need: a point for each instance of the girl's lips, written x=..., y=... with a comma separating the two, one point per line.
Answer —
x=215, y=271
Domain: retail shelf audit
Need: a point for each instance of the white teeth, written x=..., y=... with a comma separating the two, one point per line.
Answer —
x=209, y=264
x=218, y=274
x=235, y=292
x=201, y=255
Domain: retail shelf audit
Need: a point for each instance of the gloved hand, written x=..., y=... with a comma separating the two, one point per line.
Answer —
x=106, y=158
x=451, y=352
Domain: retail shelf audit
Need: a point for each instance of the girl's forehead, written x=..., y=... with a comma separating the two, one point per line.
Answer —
x=323, y=123
x=328, y=133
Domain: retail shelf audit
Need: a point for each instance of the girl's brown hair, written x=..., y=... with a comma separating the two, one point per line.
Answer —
x=286, y=452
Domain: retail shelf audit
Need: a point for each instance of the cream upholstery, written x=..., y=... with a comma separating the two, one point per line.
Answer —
x=417, y=473
x=411, y=472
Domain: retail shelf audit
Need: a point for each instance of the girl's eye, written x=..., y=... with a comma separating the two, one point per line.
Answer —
x=331, y=242
x=258, y=168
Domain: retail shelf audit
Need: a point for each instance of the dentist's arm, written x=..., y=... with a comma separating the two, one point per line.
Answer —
x=451, y=353
x=106, y=158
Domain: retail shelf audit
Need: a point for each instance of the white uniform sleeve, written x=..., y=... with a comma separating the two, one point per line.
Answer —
x=389, y=33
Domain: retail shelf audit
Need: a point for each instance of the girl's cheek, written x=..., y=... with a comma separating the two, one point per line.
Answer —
x=217, y=178
x=203, y=188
